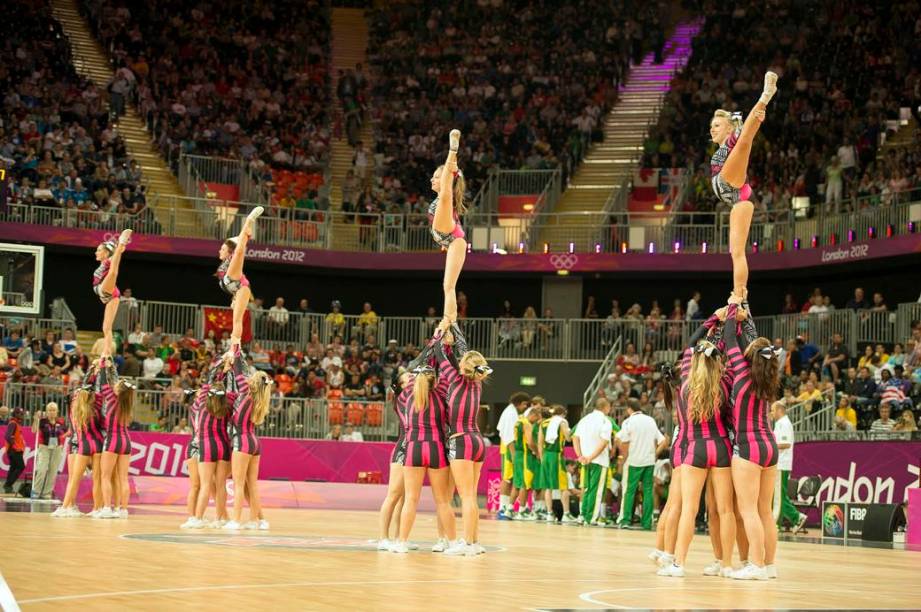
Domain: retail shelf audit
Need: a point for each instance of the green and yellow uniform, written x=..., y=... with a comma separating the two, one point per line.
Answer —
x=533, y=459
x=523, y=472
x=552, y=474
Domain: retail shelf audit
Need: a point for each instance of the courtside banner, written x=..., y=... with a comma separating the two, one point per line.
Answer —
x=478, y=262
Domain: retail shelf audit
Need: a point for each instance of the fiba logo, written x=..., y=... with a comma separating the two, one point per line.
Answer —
x=564, y=261
x=833, y=521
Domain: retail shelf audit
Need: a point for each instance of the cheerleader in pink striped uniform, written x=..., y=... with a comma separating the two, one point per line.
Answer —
x=109, y=256
x=230, y=273
x=460, y=383
x=249, y=397
x=88, y=433
x=445, y=212
x=755, y=381
x=425, y=453
x=117, y=407
x=196, y=399
x=393, y=503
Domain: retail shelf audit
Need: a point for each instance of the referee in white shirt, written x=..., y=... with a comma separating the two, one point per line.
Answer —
x=592, y=442
x=506, y=428
x=783, y=432
x=640, y=441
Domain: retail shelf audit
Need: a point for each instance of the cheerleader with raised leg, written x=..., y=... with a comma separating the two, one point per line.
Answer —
x=230, y=273
x=445, y=212
x=109, y=256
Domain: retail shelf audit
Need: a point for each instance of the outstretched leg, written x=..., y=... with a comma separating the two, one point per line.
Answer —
x=740, y=220
x=443, y=220
x=736, y=166
x=454, y=263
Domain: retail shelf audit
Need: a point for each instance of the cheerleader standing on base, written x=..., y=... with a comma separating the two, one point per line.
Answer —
x=250, y=401
x=230, y=273
x=109, y=256
x=445, y=212
x=460, y=383
x=117, y=406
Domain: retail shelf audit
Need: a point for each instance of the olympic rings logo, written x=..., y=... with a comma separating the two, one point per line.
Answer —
x=564, y=261
x=110, y=237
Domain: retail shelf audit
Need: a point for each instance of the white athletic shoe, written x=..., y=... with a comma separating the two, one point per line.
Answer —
x=550, y=517
x=726, y=572
x=770, y=87
x=399, y=547
x=231, y=526
x=800, y=523
x=568, y=518
x=125, y=237
x=216, y=524
x=73, y=512
x=411, y=545
x=191, y=522
x=672, y=571
x=454, y=140
x=771, y=571
x=106, y=513
x=750, y=572
x=714, y=569
x=61, y=512
x=383, y=544
x=478, y=548
x=92, y=514
x=263, y=525
x=123, y=513
x=457, y=548
x=440, y=546
x=655, y=555
x=256, y=212
x=251, y=525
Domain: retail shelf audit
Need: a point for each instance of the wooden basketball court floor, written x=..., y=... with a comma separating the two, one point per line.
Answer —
x=323, y=560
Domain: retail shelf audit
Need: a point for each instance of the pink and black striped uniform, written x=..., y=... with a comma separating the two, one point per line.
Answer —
x=401, y=407
x=703, y=444
x=99, y=275
x=89, y=437
x=723, y=190
x=462, y=397
x=195, y=409
x=227, y=284
x=117, y=439
x=754, y=438
x=213, y=440
x=425, y=442
x=241, y=418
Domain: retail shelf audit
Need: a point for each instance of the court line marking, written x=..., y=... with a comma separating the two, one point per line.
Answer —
x=222, y=587
x=589, y=596
x=7, y=599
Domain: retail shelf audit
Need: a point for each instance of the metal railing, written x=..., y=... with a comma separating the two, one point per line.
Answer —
x=546, y=184
x=606, y=367
x=806, y=416
x=36, y=328
x=288, y=417
x=839, y=435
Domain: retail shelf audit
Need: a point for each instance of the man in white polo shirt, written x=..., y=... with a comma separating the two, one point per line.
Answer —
x=506, y=428
x=783, y=431
x=640, y=441
x=592, y=441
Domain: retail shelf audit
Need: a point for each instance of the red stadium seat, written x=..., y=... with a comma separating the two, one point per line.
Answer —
x=374, y=414
x=356, y=413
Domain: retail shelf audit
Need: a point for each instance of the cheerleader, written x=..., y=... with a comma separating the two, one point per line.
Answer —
x=728, y=170
x=703, y=448
x=214, y=452
x=667, y=527
x=196, y=405
x=230, y=273
x=444, y=212
x=425, y=453
x=393, y=503
x=249, y=397
x=109, y=256
x=460, y=385
x=554, y=432
x=87, y=446
x=754, y=374
x=117, y=405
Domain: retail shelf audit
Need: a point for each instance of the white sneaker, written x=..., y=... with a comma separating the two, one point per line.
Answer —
x=771, y=571
x=399, y=548
x=231, y=526
x=672, y=571
x=191, y=522
x=666, y=559
x=454, y=140
x=73, y=512
x=106, y=513
x=440, y=546
x=478, y=548
x=251, y=525
x=383, y=544
x=655, y=555
x=93, y=514
x=568, y=518
x=216, y=524
x=123, y=513
x=412, y=545
x=726, y=572
x=800, y=524
x=750, y=572
x=61, y=512
x=263, y=525
x=125, y=236
x=714, y=569
x=457, y=548
x=257, y=211
x=550, y=517
x=770, y=87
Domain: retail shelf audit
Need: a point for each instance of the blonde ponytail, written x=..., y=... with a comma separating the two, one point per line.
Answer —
x=421, y=387
x=259, y=388
x=125, y=393
x=735, y=120
x=704, y=396
x=458, y=191
x=84, y=406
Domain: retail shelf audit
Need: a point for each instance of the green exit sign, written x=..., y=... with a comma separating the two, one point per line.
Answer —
x=528, y=381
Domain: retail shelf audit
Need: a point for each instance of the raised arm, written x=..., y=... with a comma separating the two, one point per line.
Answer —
x=749, y=331
x=426, y=355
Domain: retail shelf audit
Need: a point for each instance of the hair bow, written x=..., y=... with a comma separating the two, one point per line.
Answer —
x=216, y=392
x=769, y=352
x=737, y=116
x=109, y=245
x=483, y=369
x=709, y=351
x=667, y=371
x=129, y=385
x=269, y=382
x=458, y=173
x=423, y=369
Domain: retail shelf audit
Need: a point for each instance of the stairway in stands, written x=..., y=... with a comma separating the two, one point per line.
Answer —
x=349, y=47
x=91, y=61
x=608, y=163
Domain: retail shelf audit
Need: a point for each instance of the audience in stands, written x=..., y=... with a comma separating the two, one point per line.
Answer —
x=68, y=164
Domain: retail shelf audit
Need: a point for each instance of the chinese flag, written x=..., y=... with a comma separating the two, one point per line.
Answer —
x=221, y=320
